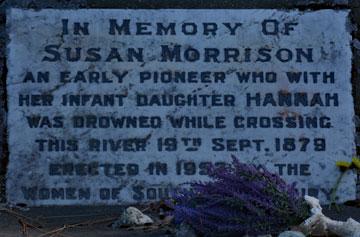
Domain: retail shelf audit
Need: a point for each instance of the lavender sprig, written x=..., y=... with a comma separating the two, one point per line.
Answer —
x=240, y=199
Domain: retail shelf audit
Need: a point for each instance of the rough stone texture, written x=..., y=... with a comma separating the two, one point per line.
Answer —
x=218, y=4
x=37, y=4
x=29, y=167
x=320, y=225
x=3, y=143
x=355, y=13
x=132, y=217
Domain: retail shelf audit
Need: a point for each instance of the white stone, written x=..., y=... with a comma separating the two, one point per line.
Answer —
x=319, y=224
x=133, y=217
x=94, y=162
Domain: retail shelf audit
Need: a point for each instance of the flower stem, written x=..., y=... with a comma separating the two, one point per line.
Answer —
x=334, y=191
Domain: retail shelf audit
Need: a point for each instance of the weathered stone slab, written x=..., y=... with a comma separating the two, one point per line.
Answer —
x=120, y=106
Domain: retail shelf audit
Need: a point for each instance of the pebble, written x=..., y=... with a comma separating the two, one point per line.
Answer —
x=132, y=217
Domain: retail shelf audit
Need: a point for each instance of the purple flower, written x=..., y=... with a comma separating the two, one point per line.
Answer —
x=242, y=199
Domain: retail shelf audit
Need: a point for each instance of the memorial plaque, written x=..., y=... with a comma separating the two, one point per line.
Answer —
x=121, y=106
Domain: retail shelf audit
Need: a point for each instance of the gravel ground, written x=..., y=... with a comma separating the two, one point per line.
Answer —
x=95, y=221
x=73, y=221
